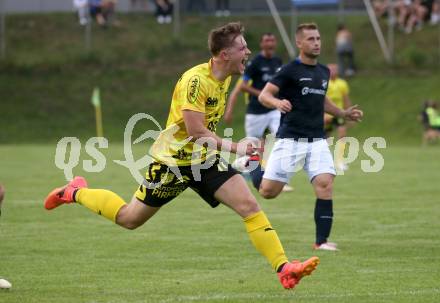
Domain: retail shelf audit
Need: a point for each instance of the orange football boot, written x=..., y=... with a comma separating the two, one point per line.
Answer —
x=294, y=271
x=64, y=194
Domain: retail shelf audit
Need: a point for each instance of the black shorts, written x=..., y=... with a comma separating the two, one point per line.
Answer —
x=163, y=183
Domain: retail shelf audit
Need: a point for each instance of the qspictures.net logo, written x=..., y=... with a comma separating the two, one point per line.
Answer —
x=69, y=149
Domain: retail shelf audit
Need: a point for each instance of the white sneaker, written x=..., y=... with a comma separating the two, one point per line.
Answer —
x=5, y=284
x=328, y=246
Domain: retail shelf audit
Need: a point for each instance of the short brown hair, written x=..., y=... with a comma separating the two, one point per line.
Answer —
x=306, y=26
x=267, y=34
x=224, y=36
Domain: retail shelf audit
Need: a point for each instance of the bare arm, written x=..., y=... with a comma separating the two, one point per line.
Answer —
x=232, y=100
x=332, y=109
x=195, y=126
x=245, y=87
x=352, y=113
x=347, y=101
x=268, y=99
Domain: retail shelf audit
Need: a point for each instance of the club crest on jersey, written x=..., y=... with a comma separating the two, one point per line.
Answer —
x=193, y=88
x=324, y=84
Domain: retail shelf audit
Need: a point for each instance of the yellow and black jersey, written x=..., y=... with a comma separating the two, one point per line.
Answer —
x=336, y=91
x=197, y=90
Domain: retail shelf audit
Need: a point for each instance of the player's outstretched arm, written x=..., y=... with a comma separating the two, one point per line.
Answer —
x=232, y=100
x=332, y=109
x=196, y=129
x=352, y=113
x=347, y=101
x=268, y=99
x=245, y=87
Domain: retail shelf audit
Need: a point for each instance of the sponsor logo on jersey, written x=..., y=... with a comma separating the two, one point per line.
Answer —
x=181, y=154
x=211, y=102
x=267, y=77
x=193, y=89
x=307, y=90
x=305, y=79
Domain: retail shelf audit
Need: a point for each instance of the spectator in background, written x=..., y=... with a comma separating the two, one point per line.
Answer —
x=430, y=119
x=435, y=13
x=103, y=11
x=143, y=4
x=95, y=7
x=222, y=8
x=108, y=12
x=422, y=11
x=82, y=6
x=196, y=6
x=164, y=11
x=417, y=13
x=339, y=92
x=381, y=7
x=344, y=51
x=403, y=11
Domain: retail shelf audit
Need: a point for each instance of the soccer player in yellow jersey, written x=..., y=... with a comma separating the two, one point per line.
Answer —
x=182, y=159
x=338, y=91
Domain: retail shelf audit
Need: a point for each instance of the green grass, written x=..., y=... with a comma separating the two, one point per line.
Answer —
x=386, y=225
x=47, y=77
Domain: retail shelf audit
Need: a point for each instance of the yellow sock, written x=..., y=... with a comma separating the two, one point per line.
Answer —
x=100, y=201
x=265, y=239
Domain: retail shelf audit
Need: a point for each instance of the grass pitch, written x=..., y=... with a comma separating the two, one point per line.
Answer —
x=386, y=225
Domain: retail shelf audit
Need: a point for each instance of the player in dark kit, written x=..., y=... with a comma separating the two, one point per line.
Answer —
x=298, y=91
x=258, y=72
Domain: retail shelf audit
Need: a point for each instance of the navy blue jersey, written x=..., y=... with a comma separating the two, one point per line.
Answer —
x=260, y=70
x=305, y=87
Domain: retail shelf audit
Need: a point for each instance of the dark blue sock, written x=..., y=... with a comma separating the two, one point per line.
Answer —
x=256, y=174
x=323, y=219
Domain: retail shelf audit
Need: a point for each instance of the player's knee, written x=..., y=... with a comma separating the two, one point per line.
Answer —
x=248, y=206
x=325, y=186
x=126, y=220
x=129, y=224
x=268, y=193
